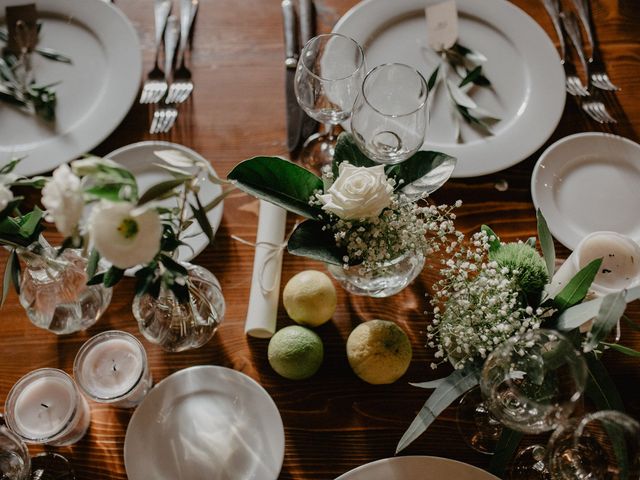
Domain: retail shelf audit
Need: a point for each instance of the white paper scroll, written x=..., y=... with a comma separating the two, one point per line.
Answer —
x=267, y=266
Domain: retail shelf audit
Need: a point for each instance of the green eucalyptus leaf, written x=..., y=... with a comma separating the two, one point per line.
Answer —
x=429, y=385
x=173, y=266
x=422, y=174
x=622, y=349
x=472, y=76
x=201, y=217
x=8, y=277
x=433, y=78
x=30, y=222
x=578, y=287
x=609, y=314
x=280, y=182
x=310, y=239
x=444, y=395
x=546, y=243
x=15, y=270
x=96, y=279
x=160, y=189
x=113, y=276
x=10, y=166
x=92, y=263
x=347, y=151
x=505, y=449
x=494, y=245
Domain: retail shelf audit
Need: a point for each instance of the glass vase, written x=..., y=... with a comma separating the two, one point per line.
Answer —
x=385, y=281
x=54, y=290
x=176, y=326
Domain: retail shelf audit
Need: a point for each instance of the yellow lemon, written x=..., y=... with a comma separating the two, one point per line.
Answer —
x=379, y=351
x=310, y=298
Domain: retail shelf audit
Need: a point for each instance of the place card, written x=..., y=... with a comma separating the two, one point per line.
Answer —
x=442, y=24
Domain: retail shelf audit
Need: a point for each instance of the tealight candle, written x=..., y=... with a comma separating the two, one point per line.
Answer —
x=45, y=406
x=112, y=367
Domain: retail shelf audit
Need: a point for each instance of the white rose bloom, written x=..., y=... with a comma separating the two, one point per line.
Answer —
x=5, y=197
x=124, y=234
x=63, y=198
x=358, y=192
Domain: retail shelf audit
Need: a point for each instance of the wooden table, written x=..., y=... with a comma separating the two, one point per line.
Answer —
x=333, y=422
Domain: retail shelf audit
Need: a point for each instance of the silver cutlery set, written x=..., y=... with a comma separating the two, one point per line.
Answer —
x=588, y=95
x=173, y=85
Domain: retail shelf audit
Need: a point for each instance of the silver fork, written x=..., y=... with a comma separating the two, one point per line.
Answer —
x=573, y=84
x=599, y=77
x=155, y=86
x=570, y=25
x=165, y=118
x=182, y=85
x=597, y=110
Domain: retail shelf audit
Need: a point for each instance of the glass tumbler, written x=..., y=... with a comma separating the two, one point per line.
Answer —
x=389, y=117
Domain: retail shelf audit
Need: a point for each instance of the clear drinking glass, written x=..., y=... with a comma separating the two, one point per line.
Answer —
x=390, y=115
x=328, y=77
x=593, y=447
x=533, y=382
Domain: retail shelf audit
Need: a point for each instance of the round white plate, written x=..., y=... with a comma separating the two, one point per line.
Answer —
x=94, y=94
x=589, y=182
x=414, y=468
x=528, y=93
x=205, y=423
x=141, y=161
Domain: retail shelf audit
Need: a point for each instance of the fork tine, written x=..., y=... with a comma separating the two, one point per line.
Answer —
x=586, y=107
x=605, y=113
x=154, y=123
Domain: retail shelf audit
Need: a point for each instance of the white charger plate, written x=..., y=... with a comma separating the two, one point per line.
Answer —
x=416, y=468
x=205, y=423
x=589, y=182
x=528, y=91
x=140, y=160
x=94, y=94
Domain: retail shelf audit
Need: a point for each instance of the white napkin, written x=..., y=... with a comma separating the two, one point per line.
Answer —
x=267, y=266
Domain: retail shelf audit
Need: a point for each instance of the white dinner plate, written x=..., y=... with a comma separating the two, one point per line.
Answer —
x=205, y=423
x=416, y=468
x=140, y=160
x=94, y=94
x=589, y=182
x=528, y=92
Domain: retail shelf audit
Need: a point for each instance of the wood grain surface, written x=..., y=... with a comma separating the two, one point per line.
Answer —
x=333, y=421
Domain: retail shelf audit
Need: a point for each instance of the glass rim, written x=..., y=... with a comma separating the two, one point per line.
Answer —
x=395, y=64
x=97, y=339
x=334, y=35
x=68, y=423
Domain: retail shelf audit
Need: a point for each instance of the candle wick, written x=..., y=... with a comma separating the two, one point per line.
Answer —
x=44, y=405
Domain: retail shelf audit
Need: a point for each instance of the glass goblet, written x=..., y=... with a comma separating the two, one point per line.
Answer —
x=604, y=445
x=390, y=115
x=330, y=71
x=533, y=382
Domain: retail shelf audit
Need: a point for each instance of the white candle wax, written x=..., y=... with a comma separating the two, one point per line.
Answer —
x=111, y=368
x=44, y=407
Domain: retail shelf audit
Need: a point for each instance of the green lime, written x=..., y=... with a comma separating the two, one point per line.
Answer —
x=295, y=352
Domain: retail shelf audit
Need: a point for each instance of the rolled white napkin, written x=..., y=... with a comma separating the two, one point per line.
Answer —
x=267, y=266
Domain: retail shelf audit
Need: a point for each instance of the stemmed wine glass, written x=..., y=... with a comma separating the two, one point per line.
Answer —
x=390, y=115
x=330, y=71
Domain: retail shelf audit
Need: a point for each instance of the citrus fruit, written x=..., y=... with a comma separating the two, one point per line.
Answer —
x=309, y=298
x=295, y=352
x=379, y=351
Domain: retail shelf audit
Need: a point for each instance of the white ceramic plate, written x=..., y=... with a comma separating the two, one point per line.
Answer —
x=205, y=423
x=141, y=161
x=589, y=182
x=416, y=468
x=94, y=94
x=523, y=65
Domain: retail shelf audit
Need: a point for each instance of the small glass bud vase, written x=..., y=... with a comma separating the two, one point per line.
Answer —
x=385, y=281
x=54, y=290
x=176, y=326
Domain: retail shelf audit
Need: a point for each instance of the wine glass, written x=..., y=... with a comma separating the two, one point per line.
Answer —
x=594, y=447
x=533, y=382
x=328, y=76
x=16, y=464
x=390, y=115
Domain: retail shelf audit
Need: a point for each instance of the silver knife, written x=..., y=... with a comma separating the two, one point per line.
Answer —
x=294, y=112
x=307, y=30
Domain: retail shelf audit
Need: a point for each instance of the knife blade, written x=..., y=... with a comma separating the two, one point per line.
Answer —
x=293, y=111
x=307, y=31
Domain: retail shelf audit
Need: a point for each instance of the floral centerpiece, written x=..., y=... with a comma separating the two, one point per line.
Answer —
x=123, y=229
x=363, y=219
x=490, y=291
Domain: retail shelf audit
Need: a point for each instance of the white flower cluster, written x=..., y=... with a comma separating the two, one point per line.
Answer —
x=476, y=306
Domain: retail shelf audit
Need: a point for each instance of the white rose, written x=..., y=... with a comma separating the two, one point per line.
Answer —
x=63, y=198
x=125, y=235
x=5, y=197
x=358, y=192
